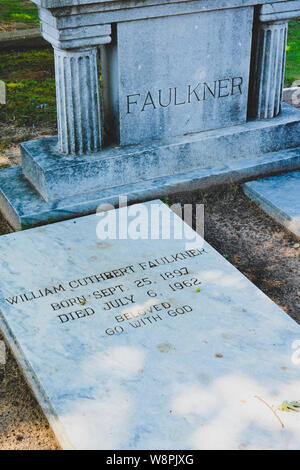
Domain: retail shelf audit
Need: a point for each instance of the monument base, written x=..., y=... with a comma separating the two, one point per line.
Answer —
x=53, y=187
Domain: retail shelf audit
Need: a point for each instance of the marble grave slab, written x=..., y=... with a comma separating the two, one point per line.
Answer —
x=146, y=344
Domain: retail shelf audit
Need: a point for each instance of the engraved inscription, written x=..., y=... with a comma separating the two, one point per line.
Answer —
x=130, y=297
x=180, y=96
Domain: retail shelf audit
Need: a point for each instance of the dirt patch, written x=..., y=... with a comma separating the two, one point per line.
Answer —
x=6, y=26
x=22, y=422
x=11, y=137
x=254, y=243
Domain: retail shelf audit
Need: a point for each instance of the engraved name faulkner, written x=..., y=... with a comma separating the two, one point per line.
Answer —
x=179, y=96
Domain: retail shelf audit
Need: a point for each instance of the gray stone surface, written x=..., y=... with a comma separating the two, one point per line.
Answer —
x=292, y=95
x=79, y=5
x=269, y=68
x=161, y=87
x=195, y=52
x=79, y=19
x=280, y=11
x=146, y=344
x=78, y=101
x=279, y=196
x=56, y=176
x=74, y=38
x=23, y=207
x=176, y=87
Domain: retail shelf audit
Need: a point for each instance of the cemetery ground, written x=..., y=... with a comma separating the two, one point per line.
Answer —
x=256, y=245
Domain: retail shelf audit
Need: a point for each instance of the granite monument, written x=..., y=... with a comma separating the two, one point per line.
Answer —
x=190, y=95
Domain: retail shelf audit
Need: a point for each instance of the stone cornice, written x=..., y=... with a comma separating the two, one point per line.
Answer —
x=100, y=13
x=78, y=6
x=81, y=23
x=73, y=38
x=280, y=11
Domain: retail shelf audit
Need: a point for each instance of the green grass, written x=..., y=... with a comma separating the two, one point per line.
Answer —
x=30, y=82
x=292, y=71
x=18, y=11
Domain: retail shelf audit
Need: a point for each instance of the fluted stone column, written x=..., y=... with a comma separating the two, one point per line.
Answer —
x=78, y=100
x=268, y=71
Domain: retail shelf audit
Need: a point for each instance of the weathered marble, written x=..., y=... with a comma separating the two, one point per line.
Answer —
x=131, y=6
x=180, y=370
x=269, y=56
x=269, y=68
x=78, y=101
x=56, y=176
x=279, y=196
x=23, y=207
x=74, y=38
x=279, y=11
x=177, y=87
x=291, y=95
x=197, y=54
x=193, y=93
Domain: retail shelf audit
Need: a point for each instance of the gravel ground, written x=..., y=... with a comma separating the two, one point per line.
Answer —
x=256, y=245
x=12, y=136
